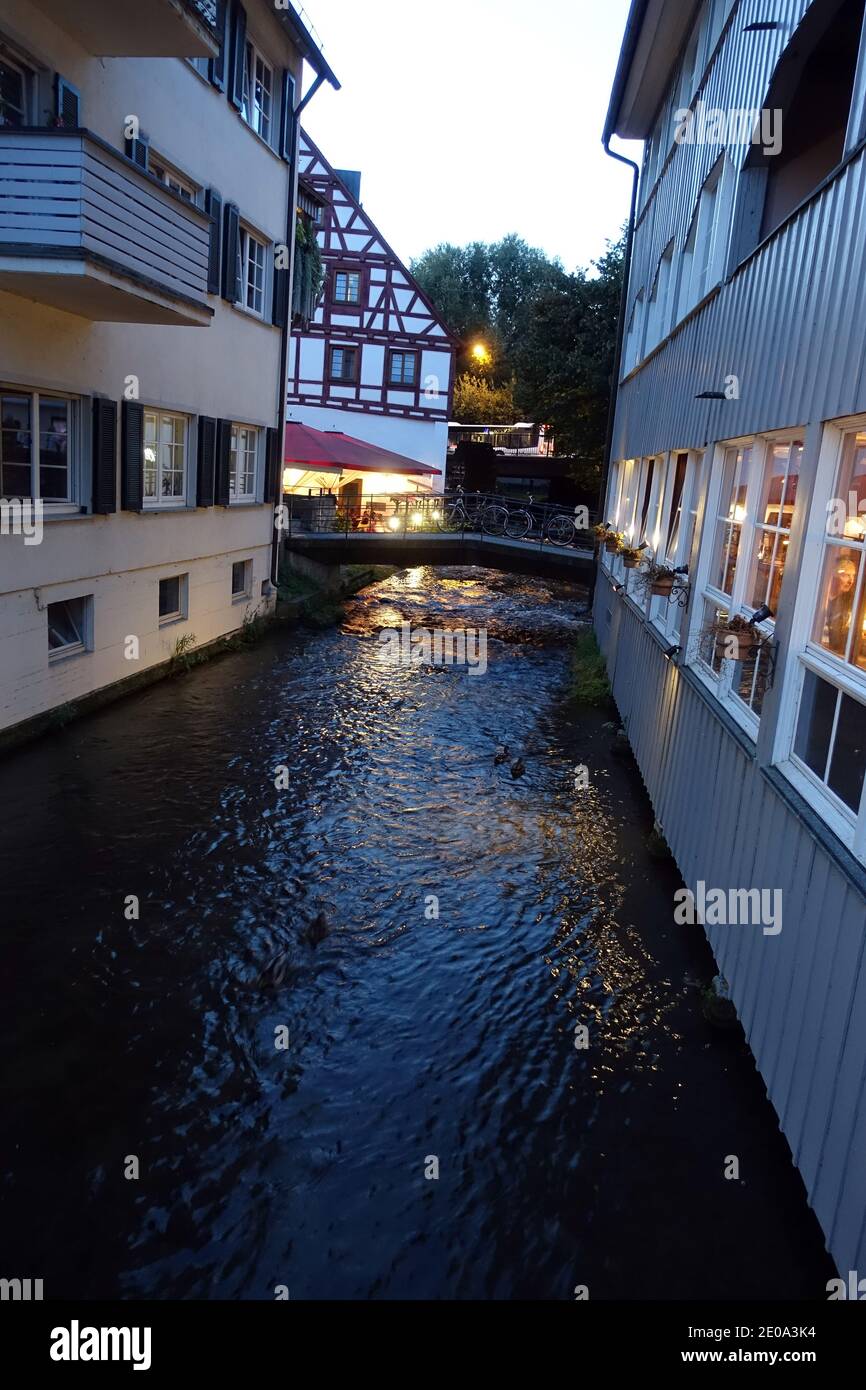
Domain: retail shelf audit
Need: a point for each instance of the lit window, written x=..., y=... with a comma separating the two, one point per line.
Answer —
x=37, y=439
x=347, y=287
x=165, y=451
x=257, y=107
x=403, y=369
x=67, y=626
x=242, y=463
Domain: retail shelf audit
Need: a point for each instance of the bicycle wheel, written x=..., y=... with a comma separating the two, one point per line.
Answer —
x=560, y=530
x=494, y=520
x=452, y=518
x=518, y=525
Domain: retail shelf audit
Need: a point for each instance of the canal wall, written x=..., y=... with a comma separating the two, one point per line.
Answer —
x=733, y=821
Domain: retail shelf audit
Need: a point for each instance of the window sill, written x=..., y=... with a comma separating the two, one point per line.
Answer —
x=252, y=314
x=172, y=619
x=150, y=509
x=66, y=654
x=241, y=598
x=782, y=782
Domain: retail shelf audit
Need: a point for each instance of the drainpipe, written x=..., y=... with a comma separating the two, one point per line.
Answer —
x=286, y=328
x=620, y=331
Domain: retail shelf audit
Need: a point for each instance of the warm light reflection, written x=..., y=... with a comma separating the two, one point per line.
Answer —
x=739, y=514
x=394, y=523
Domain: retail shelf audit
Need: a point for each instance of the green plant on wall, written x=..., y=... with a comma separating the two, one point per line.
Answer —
x=309, y=271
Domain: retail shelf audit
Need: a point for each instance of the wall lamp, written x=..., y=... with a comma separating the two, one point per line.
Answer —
x=617, y=588
x=671, y=652
x=760, y=615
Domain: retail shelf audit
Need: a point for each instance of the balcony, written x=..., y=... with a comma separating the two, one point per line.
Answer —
x=85, y=230
x=139, y=28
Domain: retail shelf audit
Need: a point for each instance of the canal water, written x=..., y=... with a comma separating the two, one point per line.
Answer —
x=417, y=1043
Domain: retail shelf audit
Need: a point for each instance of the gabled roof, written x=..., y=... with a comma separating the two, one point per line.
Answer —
x=316, y=171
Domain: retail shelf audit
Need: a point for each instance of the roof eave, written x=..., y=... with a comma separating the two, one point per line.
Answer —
x=304, y=40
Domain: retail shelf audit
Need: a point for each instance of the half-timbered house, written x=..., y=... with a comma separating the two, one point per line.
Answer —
x=374, y=360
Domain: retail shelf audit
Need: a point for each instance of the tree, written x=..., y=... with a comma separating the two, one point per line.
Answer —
x=478, y=402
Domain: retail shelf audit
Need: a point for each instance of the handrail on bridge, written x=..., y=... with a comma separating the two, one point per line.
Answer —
x=453, y=513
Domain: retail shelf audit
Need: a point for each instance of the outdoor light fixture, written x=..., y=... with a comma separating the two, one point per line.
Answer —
x=671, y=652
x=617, y=588
x=760, y=615
x=394, y=523
x=437, y=516
x=417, y=518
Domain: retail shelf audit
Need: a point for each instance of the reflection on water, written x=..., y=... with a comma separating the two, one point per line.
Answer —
x=411, y=1035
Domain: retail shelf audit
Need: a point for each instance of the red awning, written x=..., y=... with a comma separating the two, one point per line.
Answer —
x=333, y=450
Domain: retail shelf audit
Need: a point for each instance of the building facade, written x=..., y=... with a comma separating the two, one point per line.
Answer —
x=739, y=452
x=374, y=361
x=147, y=182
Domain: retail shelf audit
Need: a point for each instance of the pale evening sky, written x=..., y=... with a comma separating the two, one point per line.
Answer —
x=470, y=119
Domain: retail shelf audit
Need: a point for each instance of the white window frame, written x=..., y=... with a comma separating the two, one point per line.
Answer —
x=245, y=594
x=84, y=629
x=707, y=592
x=806, y=655
x=350, y=275
x=658, y=320
x=178, y=615
x=75, y=447
x=253, y=112
x=634, y=352
x=29, y=86
x=668, y=616
x=178, y=183
x=160, y=503
x=249, y=244
x=237, y=495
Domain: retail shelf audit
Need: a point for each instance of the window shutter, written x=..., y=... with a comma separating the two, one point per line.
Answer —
x=287, y=118
x=132, y=457
x=238, y=55
x=213, y=206
x=207, y=433
x=139, y=151
x=231, y=239
x=272, y=471
x=216, y=69
x=104, y=444
x=280, y=308
x=67, y=103
x=223, y=450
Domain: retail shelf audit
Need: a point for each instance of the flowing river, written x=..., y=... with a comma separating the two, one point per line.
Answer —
x=336, y=1044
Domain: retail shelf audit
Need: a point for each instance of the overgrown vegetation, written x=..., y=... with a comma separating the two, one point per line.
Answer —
x=589, y=685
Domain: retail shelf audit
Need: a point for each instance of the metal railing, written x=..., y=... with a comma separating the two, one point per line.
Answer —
x=455, y=513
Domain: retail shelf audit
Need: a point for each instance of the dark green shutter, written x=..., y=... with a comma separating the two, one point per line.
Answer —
x=207, y=428
x=139, y=151
x=104, y=455
x=232, y=289
x=238, y=55
x=280, y=307
x=213, y=206
x=217, y=66
x=272, y=472
x=132, y=457
x=223, y=452
x=287, y=117
x=67, y=103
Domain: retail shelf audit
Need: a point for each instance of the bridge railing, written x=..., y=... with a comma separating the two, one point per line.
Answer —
x=456, y=513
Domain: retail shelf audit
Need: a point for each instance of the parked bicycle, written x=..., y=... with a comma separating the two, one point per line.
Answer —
x=487, y=516
x=559, y=528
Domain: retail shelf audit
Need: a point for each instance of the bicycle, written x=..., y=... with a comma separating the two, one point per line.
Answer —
x=485, y=516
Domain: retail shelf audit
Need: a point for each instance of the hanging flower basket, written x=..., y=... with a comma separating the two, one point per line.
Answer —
x=631, y=556
x=612, y=542
x=736, y=640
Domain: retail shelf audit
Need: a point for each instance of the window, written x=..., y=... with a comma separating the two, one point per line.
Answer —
x=38, y=435
x=165, y=454
x=258, y=93
x=672, y=540
x=242, y=463
x=16, y=93
x=703, y=264
x=748, y=548
x=251, y=271
x=403, y=368
x=634, y=339
x=173, y=180
x=347, y=287
x=242, y=577
x=172, y=599
x=344, y=363
x=658, y=316
x=68, y=626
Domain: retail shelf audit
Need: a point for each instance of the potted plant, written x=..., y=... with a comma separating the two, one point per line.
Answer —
x=631, y=555
x=660, y=579
x=613, y=540
x=737, y=639
x=601, y=531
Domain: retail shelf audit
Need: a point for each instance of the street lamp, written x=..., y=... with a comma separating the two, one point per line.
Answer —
x=481, y=354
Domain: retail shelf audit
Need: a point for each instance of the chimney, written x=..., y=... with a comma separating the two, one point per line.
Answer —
x=352, y=179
